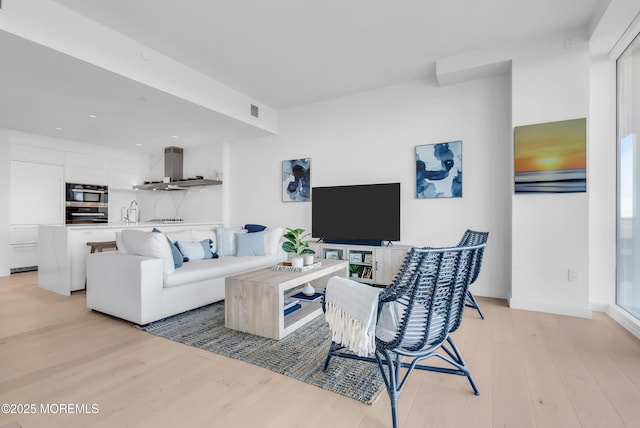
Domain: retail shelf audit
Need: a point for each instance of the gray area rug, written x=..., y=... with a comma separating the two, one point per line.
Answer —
x=300, y=355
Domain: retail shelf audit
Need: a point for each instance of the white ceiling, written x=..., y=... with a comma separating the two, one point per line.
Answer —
x=283, y=53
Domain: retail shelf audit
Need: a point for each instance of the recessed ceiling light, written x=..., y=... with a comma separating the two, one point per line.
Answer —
x=138, y=144
x=93, y=116
x=58, y=128
x=174, y=136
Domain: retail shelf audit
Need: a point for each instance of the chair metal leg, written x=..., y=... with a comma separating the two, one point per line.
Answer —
x=332, y=350
x=391, y=376
x=459, y=362
x=471, y=302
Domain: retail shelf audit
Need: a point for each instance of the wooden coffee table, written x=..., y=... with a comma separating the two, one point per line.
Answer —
x=254, y=300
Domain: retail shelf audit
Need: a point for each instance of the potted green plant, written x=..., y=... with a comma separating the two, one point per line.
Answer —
x=296, y=241
x=355, y=271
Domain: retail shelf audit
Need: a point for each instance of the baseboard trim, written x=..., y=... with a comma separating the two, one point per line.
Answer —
x=551, y=308
x=623, y=318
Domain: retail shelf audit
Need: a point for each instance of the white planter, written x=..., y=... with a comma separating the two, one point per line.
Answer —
x=297, y=262
x=308, y=259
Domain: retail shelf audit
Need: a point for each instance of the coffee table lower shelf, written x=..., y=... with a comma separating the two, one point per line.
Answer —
x=254, y=300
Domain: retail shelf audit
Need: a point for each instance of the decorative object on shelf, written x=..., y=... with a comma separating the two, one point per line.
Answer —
x=355, y=257
x=332, y=254
x=311, y=298
x=368, y=258
x=439, y=170
x=355, y=271
x=217, y=176
x=551, y=157
x=287, y=267
x=292, y=309
x=308, y=290
x=291, y=304
x=296, y=241
x=367, y=272
x=308, y=259
x=296, y=180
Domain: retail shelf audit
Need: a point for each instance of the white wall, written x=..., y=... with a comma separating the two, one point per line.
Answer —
x=371, y=138
x=551, y=231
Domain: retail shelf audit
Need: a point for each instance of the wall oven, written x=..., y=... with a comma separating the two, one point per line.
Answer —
x=86, y=204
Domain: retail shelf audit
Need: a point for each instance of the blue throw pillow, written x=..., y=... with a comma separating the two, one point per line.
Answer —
x=177, y=255
x=250, y=244
x=196, y=250
x=253, y=228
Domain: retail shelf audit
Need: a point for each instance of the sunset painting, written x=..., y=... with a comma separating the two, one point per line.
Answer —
x=551, y=157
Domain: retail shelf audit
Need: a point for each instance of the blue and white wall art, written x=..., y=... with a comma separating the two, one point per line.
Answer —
x=296, y=180
x=439, y=170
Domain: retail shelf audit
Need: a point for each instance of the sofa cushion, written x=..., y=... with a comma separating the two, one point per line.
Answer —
x=201, y=270
x=149, y=244
x=196, y=250
x=272, y=237
x=227, y=240
x=120, y=244
x=177, y=255
x=252, y=228
x=179, y=235
x=250, y=244
x=200, y=235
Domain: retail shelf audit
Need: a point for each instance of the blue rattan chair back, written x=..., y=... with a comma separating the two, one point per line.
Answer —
x=427, y=297
x=473, y=237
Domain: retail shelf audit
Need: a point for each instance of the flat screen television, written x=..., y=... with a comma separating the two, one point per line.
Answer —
x=361, y=214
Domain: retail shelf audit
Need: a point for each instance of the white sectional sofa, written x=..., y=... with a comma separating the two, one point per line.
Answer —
x=141, y=284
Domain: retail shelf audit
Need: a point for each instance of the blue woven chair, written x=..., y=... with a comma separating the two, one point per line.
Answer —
x=472, y=237
x=428, y=298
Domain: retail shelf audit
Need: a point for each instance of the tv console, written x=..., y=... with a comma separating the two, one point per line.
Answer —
x=369, y=242
x=371, y=264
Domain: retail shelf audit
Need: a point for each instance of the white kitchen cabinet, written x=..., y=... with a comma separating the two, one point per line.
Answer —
x=36, y=197
x=36, y=194
x=86, y=175
x=34, y=154
x=23, y=257
x=86, y=169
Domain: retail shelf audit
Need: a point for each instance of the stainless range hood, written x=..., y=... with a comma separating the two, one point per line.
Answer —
x=173, y=162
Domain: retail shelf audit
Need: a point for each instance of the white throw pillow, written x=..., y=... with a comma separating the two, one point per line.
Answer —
x=226, y=240
x=272, y=240
x=149, y=244
x=179, y=235
x=200, y=235
x=120, y=244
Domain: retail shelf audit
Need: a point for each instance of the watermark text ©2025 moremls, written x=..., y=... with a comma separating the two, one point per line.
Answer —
x=50, y=408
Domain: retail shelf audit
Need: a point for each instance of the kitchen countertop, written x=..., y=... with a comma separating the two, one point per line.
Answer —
x=119, y=225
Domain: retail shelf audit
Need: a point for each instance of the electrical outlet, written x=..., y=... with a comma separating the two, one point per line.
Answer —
x=573, y=275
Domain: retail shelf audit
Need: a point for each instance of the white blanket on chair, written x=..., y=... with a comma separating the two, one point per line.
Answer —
x=351, y=311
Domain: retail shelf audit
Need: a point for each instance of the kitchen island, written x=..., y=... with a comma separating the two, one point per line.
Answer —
x=62, y=250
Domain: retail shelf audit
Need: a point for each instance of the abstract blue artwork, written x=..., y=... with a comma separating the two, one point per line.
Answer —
x=296, y=180
x=439, y=170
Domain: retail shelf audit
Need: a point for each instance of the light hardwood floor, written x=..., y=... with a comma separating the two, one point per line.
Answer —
x=533, y=370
